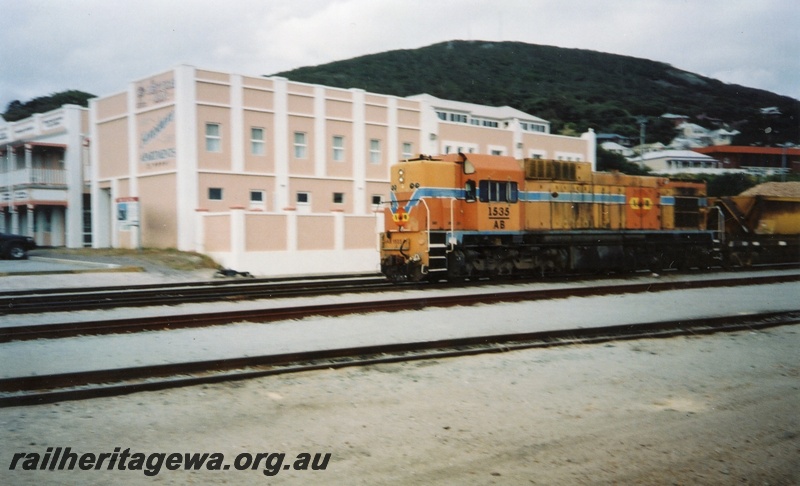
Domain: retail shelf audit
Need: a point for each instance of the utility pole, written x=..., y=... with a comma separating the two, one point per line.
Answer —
x=642, y=121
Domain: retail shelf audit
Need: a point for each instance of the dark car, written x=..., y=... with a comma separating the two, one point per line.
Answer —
x=15, y=247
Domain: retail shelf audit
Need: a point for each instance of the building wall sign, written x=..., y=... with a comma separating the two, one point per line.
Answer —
x=157, y=138
x=53, y=122
x=26, y=128
x=155, y=91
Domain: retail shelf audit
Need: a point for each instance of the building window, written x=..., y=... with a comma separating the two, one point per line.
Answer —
x=215, y=193
x=338, y=198
x=497, y=152
x=257, y=146
x=338, y=148
x=408, y=150
x=375, y=151
x=442, y=115
x=303, y=198
x=257, y=198
x=300, y=145
x=213, y=138
x=377, y=200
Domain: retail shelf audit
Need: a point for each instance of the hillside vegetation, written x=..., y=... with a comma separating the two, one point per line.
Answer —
x=575, y=89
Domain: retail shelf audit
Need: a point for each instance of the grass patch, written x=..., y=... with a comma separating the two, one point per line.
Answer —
x=171, y=258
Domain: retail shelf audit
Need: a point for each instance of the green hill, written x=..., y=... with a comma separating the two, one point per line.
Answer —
x=573, y=88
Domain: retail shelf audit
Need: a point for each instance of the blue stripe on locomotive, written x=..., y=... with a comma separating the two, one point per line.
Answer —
x=524, y=196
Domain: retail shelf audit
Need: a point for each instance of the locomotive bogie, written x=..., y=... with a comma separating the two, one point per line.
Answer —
x=563, y=252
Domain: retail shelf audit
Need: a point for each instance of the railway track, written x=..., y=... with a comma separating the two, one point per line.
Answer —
x=96, y=298
x=32, y=390
x=188, y=320
x=99, y=298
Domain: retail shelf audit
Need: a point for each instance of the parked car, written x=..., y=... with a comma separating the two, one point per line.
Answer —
x=15, y=247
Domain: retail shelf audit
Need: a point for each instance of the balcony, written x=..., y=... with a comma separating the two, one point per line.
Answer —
x=34, y=177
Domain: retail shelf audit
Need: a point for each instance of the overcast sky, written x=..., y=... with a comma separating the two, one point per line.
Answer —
x=99, y=46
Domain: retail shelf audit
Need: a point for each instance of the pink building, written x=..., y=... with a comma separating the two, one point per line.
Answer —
x=276, y=177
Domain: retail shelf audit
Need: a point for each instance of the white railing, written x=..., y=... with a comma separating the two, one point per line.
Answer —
x=34, y=176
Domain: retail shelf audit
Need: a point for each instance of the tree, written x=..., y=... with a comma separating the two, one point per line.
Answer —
x=17, y=110
x=611, y=161
x=729, y=184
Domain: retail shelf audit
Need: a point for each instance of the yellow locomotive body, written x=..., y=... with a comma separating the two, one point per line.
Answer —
x=472, y=215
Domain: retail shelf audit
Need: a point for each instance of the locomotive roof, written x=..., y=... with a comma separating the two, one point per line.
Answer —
x=483, y=162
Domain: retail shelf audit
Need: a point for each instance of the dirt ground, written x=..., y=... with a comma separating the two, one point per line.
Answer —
x=712, y=410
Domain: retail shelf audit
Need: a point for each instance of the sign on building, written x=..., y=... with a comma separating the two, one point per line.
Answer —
x=127, y=212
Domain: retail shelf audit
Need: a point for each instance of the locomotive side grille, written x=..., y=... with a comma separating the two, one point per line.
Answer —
x=687, y=212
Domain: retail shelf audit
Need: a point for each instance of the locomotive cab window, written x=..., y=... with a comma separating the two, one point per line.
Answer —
x=469, y=191
x=497, y=191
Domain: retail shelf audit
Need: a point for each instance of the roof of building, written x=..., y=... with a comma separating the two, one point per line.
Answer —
x=744, y=149
x=723, y=131
x=615, y=146
x=673, y=154
x=494, y=112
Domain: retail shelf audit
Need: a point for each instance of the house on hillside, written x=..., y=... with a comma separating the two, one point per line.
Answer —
x=669, y=162
x=691, y=135
x=617, y=149
x=756, y=160
x=676, y=120
x=614, y=138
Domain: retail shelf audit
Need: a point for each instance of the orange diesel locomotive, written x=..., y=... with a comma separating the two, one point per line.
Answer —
x=469, y=215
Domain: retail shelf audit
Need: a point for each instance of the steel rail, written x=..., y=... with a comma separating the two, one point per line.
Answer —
x=33, y=390
x=126, y=325
x=57, y=300
x=221, y=282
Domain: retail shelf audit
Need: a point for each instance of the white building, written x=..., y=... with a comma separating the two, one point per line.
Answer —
x=272, y=176
x=616, y=148
x=42, y=186
x=691, y=135
x=668, y=162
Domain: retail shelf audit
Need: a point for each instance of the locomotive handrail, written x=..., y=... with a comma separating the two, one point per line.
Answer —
x=450, y=241
x=720, y=225
x=427, y=231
